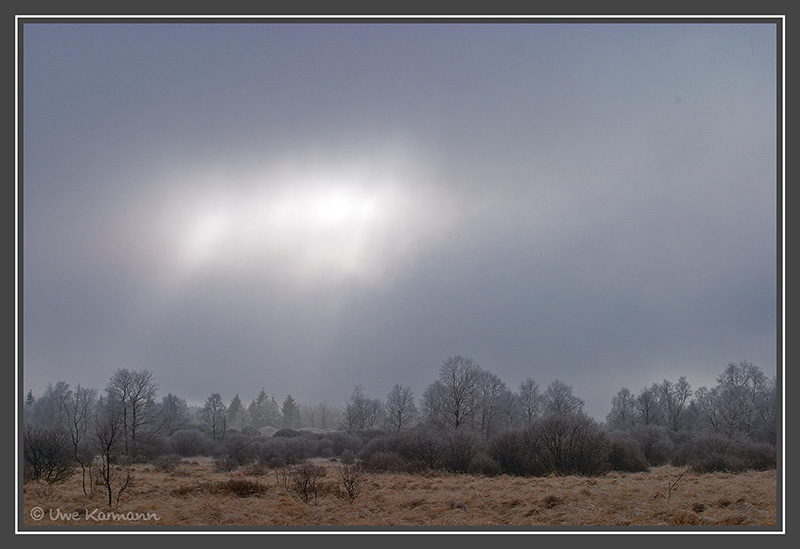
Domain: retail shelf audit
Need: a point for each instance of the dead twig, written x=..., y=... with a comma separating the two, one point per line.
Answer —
x=673, y=484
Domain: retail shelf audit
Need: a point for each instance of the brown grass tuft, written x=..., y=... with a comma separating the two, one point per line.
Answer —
x=551, y=501
x=236, y=486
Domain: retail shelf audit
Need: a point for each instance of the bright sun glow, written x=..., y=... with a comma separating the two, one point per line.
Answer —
x=306, y=226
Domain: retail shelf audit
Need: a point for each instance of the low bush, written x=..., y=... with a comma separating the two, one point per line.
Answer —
x=759, y=456
x=189, y=443
x=712, y=452
x=276, y=452
x=351, y=480
x=255, y=469
x=655, y=443
x=484, y=464
x=240, y=448
x=47, y=455
x=225, y=464
x=458, y=449
x=569, y=444
x=512, y=451
x=167, y=463
x=384, y=462
x=238, y=487
x=342, y=442
x=304, y=481
x=287, y=433
x=624, y=454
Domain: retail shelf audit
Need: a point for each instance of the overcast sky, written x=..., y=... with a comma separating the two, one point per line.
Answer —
x=309, y=207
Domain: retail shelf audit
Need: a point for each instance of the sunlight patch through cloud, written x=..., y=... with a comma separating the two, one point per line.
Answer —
x=308, y=225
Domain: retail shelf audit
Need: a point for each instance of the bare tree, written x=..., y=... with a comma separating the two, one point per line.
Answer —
x=491, y=397
x=530, y=401
x=78, y=409
x=48, y=409
x=623, y=411
x=213, y=414
x=675, y=397
x=304, y=479
x=743, y=399
x=559, y=400
x=133, y=392
x=109, y=437
x=174, y=414
x=46, y=454
x=351, y=478
x=451, y=400
x=401, y=411
x=648, y=406
x=320, y=416
x=766, y=404
x=361, y=412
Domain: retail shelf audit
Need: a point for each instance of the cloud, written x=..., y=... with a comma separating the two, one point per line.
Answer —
x=353, y=204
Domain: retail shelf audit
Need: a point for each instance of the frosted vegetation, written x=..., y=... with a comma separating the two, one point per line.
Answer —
x=467, y=421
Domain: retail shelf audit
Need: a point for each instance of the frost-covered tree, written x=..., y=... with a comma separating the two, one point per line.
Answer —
x=214, y=414
x=174, y=414
x=360, y=412
x=675, y=398
x=401, y=411
x=560, y=401
x=491, y=398
x=530, y=401
x=649, y=410
x=133, y=393
x=623, y=415
x=450, y=402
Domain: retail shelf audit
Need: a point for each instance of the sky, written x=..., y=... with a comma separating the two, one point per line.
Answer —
x=307, y=207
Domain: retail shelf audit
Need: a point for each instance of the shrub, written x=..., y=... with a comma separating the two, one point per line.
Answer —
x=512, y=450
x=759, y=456
x=244, y=488
x=418, y=449
x=291, y=450
x=167, y=464
x=458, y=451
x=483, y=464
x=239, y=448
x=654, y=443
x=225, y=464
x=624, y=454
x=351, y=479
x=384, y=462
x=238, y=487
x=152, y=448
x=47, y=455
x=712, y=452
x=254, y=469
x=304, y=479
x=348, y=457
x=569, y=444
x=342, y=442
x=287, y=433
x=189, y=442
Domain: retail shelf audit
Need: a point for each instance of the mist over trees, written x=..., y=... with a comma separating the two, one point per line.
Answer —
x=467, y=420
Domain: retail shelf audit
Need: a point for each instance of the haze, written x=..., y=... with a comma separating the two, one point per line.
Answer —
x=307, y=207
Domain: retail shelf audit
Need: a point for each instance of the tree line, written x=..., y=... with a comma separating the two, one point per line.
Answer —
x=467, y=419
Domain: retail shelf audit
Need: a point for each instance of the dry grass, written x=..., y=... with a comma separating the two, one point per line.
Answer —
x=196, y=494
